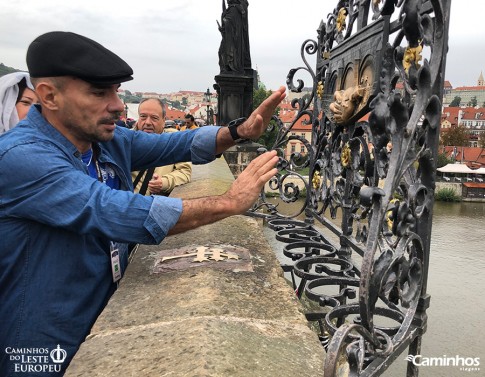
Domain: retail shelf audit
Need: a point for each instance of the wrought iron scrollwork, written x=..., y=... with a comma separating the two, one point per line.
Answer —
x=375, y=111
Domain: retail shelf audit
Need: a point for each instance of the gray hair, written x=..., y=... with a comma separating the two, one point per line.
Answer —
x=164, y=114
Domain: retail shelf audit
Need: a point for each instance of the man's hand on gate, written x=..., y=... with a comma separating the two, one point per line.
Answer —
x=259, y=119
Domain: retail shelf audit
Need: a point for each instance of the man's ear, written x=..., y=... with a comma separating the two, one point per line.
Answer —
x=48, y=95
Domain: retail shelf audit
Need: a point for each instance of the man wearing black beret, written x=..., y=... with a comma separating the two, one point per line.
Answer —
x=67, y=210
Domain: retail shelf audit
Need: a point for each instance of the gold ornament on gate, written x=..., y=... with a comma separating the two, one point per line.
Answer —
x=412, y=55
x=316, y=180
x=345, y=155
x=342, y=15
x=320, y=90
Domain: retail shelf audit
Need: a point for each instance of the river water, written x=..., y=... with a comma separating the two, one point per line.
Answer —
x=456, y=283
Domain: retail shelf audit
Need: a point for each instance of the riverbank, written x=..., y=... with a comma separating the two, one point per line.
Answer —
x=440, y=185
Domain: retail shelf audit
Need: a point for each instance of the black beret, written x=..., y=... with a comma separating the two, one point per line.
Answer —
x=60, y=53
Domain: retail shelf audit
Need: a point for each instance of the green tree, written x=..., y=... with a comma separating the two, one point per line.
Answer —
x=455, y=136
x=133, y=99
x=184, y=101
x=455, y=102
x=473, y=101
x=442, y=160
x=177, y=105
x=129, y=98
x=6, y=70
x=259, y=95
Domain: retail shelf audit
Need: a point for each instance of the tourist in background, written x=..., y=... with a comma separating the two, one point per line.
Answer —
x=163, y=179
x=122, y=122
x=16, y=96
x=189, y=123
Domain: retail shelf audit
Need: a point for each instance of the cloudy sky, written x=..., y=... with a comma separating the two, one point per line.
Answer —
x=173, y=45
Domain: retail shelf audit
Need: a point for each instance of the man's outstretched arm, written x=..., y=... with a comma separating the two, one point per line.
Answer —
x=242, y=194
x=255, y=125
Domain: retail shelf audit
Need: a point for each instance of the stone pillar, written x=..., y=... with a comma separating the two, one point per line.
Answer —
x=235, y=96
x=235, y=100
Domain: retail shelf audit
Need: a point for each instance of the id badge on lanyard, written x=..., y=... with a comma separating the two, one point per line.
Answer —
x=115, y=262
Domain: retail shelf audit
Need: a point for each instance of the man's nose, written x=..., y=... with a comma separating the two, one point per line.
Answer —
x=116, y=104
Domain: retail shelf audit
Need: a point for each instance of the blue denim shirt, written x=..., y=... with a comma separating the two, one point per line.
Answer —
x=56, y=225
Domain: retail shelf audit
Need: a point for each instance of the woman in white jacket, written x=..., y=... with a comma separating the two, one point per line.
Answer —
x=16, y=96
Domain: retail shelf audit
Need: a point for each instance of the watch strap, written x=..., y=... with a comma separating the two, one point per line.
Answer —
x=233, y=131
x=233, y=125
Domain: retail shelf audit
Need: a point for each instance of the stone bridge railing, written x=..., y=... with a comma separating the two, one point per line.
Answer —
x=233, y=317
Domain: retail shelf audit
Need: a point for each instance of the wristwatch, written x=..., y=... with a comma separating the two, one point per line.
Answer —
x=232, y=126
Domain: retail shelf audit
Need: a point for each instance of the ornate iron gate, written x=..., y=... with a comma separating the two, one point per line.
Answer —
x=375, y=112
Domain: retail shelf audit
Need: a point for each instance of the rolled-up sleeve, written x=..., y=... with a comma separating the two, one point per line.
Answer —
x=204, y=145
x=163, y=215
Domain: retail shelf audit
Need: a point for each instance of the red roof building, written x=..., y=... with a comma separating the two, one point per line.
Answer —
x=473, y=119
x=473, y=157
x=173, y=114
x=301, y=128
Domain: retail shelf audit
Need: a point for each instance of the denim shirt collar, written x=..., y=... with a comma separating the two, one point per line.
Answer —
x=36, y=119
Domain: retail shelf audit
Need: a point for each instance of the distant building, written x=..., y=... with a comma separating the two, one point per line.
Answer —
x=473, y=157
x=473, y=119
x=447, y=88
x=150, y=95
x=449, y=117
x=481, y=82
x=174, y=114
x=301, y=128
x=466, y=93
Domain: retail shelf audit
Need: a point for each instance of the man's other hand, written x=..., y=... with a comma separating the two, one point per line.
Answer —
x=242, y=194
x=245, y=190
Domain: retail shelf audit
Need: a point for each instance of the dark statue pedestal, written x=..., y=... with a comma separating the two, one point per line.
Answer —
x=235, y=96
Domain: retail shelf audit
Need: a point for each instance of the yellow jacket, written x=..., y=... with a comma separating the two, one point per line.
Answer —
x=171, y=175
x=193, y=127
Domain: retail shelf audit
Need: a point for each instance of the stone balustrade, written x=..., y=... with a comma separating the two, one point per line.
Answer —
x=232, y=315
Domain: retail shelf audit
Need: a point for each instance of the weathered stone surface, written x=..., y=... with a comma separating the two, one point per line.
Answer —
x=203, y=321
x=202, y=346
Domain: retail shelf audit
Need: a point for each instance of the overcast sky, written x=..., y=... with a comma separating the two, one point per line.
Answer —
x=173, y=45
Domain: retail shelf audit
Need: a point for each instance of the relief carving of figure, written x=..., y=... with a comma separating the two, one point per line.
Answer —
x=234, y=54
x=346, y=102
